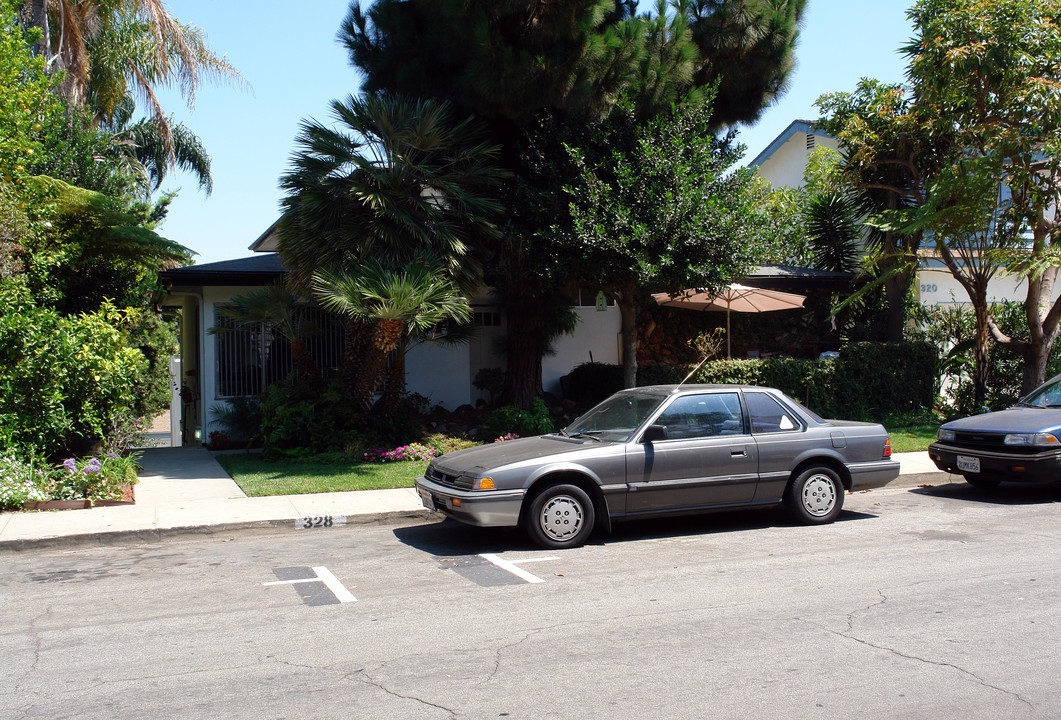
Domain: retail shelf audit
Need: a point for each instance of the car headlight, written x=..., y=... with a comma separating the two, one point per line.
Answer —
x=1031, y=440
x=945, y=435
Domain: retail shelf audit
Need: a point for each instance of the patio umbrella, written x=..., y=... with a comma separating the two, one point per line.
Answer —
x=732, y=298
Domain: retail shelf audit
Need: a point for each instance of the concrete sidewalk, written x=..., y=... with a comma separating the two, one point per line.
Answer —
x=185, y=491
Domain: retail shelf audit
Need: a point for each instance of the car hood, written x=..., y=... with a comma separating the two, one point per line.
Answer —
x=509, y=452
x=1013, y=420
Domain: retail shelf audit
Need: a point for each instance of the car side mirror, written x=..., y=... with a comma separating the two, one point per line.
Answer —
x=654, y=433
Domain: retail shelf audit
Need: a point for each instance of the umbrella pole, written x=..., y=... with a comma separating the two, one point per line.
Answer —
x=729, y=355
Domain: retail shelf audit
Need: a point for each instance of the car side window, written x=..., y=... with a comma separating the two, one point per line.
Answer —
x=697, y=416
x=768, y=415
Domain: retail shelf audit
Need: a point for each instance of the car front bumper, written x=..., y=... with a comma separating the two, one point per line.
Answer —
x=1038, y=468
x=869, y=475
x=485, y=508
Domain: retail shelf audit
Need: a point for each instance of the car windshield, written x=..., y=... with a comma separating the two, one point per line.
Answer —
x=617, y=417
x=1047, y=396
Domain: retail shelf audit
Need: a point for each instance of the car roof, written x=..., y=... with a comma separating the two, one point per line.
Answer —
x=700, y=387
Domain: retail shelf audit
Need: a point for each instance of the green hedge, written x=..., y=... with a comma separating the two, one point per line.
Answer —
x=869, y=381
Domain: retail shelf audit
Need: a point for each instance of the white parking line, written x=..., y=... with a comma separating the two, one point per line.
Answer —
x=333, y=584
x=325, y=576
x=515, y=569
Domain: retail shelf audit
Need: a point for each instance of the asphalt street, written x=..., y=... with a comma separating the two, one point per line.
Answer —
x=938, y=602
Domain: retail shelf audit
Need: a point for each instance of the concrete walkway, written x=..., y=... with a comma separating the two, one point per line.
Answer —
x=185, y=491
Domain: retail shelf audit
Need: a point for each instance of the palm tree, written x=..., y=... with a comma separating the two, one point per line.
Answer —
x=142, y=148
x=418, y=296
x=395, y=179
x=111, y=50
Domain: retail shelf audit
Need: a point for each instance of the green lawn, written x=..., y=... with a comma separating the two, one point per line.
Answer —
x=912, y=439
x=258, y=477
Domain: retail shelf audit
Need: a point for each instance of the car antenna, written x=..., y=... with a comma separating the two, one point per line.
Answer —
x=693, y=372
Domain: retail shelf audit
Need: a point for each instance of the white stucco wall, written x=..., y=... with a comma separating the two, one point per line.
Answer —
x=440, y=373
x=596, y=336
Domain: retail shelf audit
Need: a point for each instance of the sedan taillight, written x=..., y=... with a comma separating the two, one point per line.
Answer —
x=887, y=448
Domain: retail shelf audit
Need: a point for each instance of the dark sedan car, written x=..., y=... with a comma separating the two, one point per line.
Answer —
x=1022, y=444
x=663, y=450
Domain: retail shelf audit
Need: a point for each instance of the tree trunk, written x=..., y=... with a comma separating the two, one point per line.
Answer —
x=1043, y=327
x=523, y=367
x=385, y=336
x=982, y=352
x=1035, y=358
x=305, y=366
x=628, y=302
x=39, y=18
x=393, y=386
x=895, y=292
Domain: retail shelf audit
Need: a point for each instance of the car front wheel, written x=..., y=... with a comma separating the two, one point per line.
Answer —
x=815, y=496
x=561, y=516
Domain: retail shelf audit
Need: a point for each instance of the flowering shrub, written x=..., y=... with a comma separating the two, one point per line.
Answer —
x=509, y=436
x=218, y=441
x=95, y=478
x=412, y=451
x=22, y=482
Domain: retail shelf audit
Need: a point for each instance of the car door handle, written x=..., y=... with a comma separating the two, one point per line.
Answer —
x=738, y=453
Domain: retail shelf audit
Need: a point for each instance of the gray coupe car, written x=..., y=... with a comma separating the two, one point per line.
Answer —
x=1021, y=444
x=662, y=450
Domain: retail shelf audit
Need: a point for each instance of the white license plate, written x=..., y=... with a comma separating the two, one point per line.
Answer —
x=968, y=464
x=428, y=501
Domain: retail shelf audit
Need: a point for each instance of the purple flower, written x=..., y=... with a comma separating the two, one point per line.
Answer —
x=70, y=465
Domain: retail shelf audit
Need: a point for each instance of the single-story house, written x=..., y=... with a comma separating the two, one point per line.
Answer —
x=213, y=368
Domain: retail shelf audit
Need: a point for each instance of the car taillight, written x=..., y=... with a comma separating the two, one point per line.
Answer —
x=887, y=448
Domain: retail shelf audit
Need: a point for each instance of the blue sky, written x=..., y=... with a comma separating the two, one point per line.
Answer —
x=295, y=68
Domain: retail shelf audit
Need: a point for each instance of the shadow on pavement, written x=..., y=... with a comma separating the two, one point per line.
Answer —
x=451, y=538
x=1006, y=493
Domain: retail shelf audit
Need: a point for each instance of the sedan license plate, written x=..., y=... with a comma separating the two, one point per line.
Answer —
x=968, y=464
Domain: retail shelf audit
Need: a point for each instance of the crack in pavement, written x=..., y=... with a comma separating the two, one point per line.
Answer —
x=850, y=635
x=31, y=630
x=361, y=676
x=497, y=654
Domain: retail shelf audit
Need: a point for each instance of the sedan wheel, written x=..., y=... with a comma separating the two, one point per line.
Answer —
x=561, y=516
x=815, y=496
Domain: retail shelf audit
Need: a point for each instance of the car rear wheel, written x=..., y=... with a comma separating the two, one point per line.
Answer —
x=561, y=516
x=815, y=496
x=984, y=482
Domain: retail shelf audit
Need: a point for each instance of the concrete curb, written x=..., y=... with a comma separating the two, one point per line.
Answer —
x=157, y=535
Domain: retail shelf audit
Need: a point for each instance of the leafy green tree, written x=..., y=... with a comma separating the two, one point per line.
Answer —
x=986, y=74
x=536, y=73
x=655, y=207
x=889, y=157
